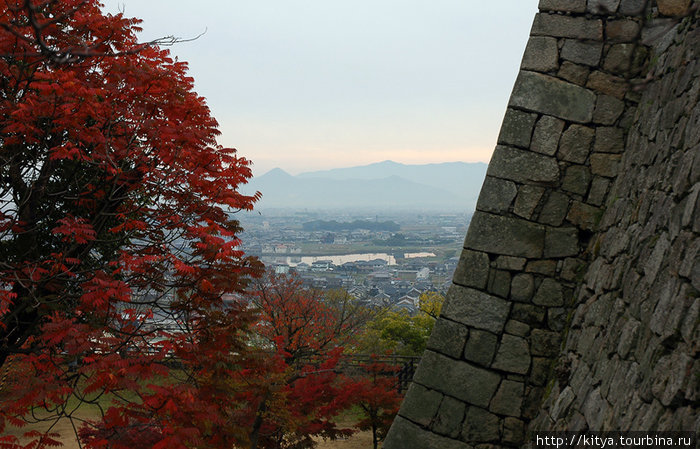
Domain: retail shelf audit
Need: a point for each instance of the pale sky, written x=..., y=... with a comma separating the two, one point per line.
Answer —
x=314, y=84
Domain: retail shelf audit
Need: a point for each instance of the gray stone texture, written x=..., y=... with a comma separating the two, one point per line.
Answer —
x=496, y=195
x=481, y=347
x=522, y=287
x=513, y=355
x=545, y=139
x=582, y=52
x=472, y=269
x=522, y=165
x=563, y=5
x=517, y=128
x=508, y=399
x=504, y=235
x=549, y=294
x=405, y=434
x=541, y=55
x=607, y=110
x=548, y=95
x=576, y=179
x=527, y=200
x=480, y=426
x=554, y=209
x=576, y=144
x=565, y=26
x=475, y=308
x=421, y=404
x=448, y=338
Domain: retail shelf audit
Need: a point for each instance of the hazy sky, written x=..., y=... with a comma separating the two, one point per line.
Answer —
x=313, y=84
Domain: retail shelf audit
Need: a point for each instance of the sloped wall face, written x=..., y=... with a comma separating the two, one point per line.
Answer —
x=575, y=302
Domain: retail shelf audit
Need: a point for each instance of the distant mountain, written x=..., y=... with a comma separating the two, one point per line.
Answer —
x=452, y=186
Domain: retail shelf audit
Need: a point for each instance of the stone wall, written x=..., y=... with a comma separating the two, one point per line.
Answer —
x=575, y=302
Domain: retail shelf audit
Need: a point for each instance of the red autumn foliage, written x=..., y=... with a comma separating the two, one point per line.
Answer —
x=116, y=238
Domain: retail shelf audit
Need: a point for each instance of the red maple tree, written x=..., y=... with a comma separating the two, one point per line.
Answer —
x=116, y=238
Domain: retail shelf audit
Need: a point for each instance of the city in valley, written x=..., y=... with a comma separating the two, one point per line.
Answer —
x=381, y=259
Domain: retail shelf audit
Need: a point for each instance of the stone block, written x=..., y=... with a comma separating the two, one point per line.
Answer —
x=448, y=338
x=405, y=434
x=420, y=404
x=545, y=138
x=499, y=283
x=545, y=267
x=549, y=294
x=584, y=215
x=522, y=287
x=603, y=164
x=510, y=263
x=604, y=7
x=527, y=200
x=480, y=347
x=607, y=110
x=552, y=96
x=522, y=165
x=513, y=432
x=607, y=84
x=541, y=54
x=599, y=190
x=505, y=235
x=517, y=128
x=540, y=370
x=563, y=5
x=556, y=318
x=557, y=25
x=544, y=343
x=472, y=269
x=582, y=52
x=450, y=417
x=496, y=195
x=561, y=242
x=508, y=399
x=513, y=355
x=609, y=139
x=461, y=380
x=619, y=58
x=480, y=426
x=517, y=328
x=632, y=7
x=573, y=73
x=624, y=30
x=529, y=314
x=576, y=179
x=475, y=308
x=673, y=8
x=575, y=144
x=554, y=209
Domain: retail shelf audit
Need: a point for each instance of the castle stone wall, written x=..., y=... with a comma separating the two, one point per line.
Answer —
x=575, y=302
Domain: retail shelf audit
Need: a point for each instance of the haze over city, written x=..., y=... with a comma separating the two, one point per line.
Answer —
x=312, y=84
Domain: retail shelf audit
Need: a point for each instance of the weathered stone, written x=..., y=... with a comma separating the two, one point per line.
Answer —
x=607, y=109
x=544, y=343
x=510, y=263
x=576, y=144
x=564, y=26
x=561, y=242
x=556, y=318
x=458, y=379
x=540, y=370
x=522, y=165
x=513, y=432
x=475, y=308
x=527, y=200
x=517, y=328
x=449, y=418
x=574, y=73
x=628, y=338
x=545, y=267
x=480, y=347
x=594, y=409
x=504, y=235
x=619, y=58
x=541, y=54
x=420, y=404
x=480, y=426
x=609, y=139
x=554, y=209
x=673, y=7
x=582, y=52
x=517, y=128
x=563, y=5
x=599, y=190
x=508, y=399
x=496, y=195
x=563, y=402
x=548, y=95
x=624, y=30
x=605, y=164
x=607, y=84
x=583, y=215
x=499, y=283
x=405, y=434
x=545, y=139
x=603, y=6
x=448, y=338
x=527, y=313
x=576, y=179
x=522, y=287
x=549, y=293
x=472, y=269
x=632, y=7
x=513, y=355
